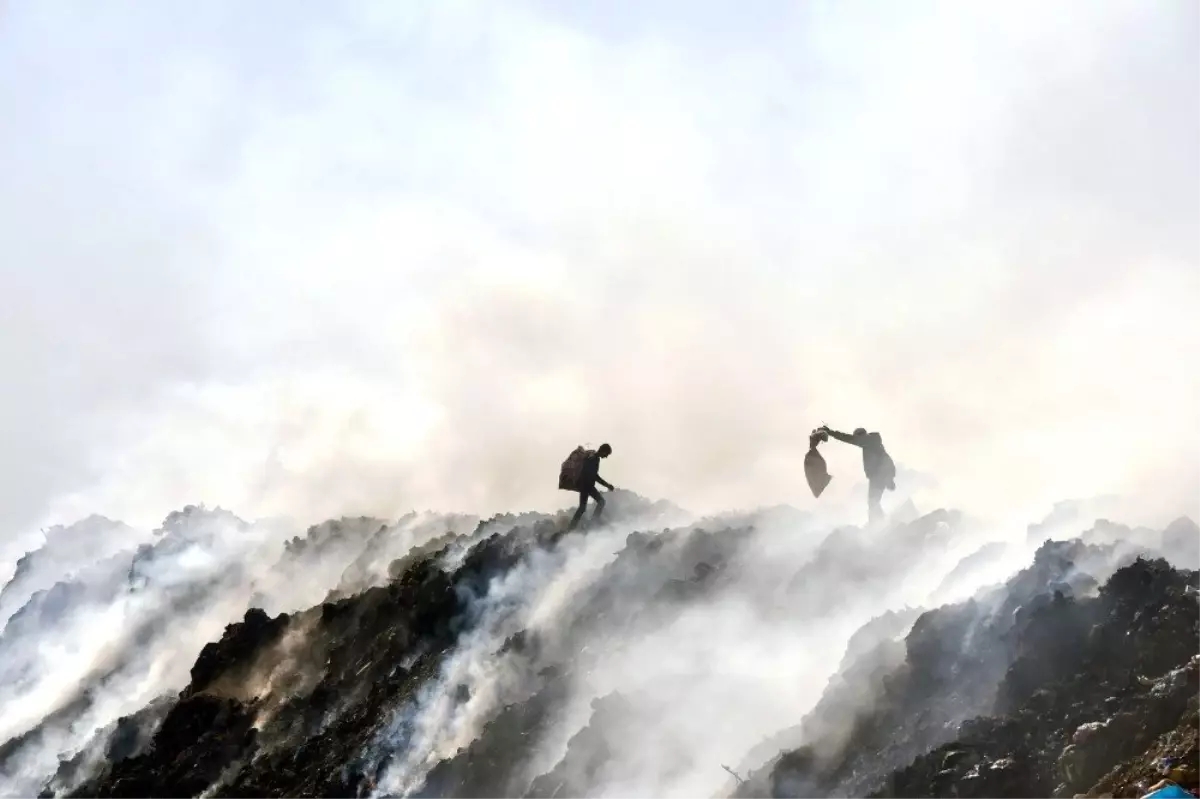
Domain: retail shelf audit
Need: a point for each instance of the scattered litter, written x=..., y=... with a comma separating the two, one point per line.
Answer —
x=1165, y=789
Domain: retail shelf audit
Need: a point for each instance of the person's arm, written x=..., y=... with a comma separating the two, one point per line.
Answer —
x=847, y=438
x=593, y=471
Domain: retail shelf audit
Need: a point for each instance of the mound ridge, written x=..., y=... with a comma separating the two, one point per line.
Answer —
x=427, y=670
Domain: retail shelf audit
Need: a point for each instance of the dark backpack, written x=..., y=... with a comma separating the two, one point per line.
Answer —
x=570, y=476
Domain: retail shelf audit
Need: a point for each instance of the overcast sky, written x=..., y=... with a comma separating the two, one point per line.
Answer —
x=315, y=258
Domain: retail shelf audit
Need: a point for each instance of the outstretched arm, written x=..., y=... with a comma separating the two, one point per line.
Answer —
x=846, y=437
x=604, y=482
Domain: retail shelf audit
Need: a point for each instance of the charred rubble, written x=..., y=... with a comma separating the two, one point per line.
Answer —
x=1044, y=688
x=1079, y=674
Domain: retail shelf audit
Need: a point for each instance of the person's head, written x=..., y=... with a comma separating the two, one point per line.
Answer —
x=860, y=431
x=604, y=451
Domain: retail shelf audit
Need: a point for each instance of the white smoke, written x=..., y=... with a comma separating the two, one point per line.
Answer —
x=713, y=677
x=299, y=282
x=362, y=259
x=127, y=629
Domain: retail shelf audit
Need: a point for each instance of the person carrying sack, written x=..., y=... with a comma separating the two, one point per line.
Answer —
x=878, y=465
x=581, y=472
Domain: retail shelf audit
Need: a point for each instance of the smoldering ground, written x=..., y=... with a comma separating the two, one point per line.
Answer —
x=274, y=270
x=102, y=642
x=709, y=675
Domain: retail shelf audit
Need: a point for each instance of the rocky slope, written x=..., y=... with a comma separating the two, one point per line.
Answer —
x=453, y=657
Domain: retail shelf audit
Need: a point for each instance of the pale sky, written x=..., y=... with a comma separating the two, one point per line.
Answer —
x=311, y=259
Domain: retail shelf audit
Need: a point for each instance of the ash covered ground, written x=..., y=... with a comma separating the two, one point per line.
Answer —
x=656, y=654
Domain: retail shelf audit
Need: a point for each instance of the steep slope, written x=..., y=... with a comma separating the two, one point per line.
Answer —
x=445, y=656
x=339, y=700
x=351, y=668
x=109, y=638
x=984, y=698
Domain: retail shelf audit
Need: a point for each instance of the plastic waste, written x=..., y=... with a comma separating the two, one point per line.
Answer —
x=815, y=470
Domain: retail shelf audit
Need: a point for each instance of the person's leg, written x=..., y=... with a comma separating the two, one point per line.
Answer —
x=583, y=498
x=874, y=495
x=599, y=502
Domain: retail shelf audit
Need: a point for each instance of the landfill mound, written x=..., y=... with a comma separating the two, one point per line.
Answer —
x=1039, y=689
x=452, y=656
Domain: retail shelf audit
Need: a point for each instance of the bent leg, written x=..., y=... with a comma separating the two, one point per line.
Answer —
x=599, y=502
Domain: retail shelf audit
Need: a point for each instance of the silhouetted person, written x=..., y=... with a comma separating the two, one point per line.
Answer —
x=590, y=475
x=878, y=465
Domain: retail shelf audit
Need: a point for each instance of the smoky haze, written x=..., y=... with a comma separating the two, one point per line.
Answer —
x=302, y=260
